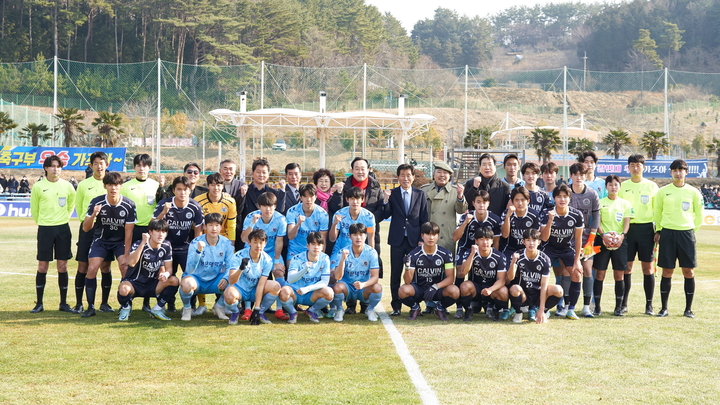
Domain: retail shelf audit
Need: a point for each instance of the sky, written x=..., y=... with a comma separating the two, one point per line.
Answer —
x=411, y=11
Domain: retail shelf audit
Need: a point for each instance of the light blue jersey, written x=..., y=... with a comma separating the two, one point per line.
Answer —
x=250, y=277
x=302, y=275
x=212, y=262
x=317, y=222
x=357, y=268
x=599, y=186
x=276, y=227
x=343, y=241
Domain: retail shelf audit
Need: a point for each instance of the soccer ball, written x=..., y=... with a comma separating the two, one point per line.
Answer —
x=615, y=241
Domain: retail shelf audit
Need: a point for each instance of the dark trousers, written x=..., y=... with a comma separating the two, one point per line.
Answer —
x=397, y=263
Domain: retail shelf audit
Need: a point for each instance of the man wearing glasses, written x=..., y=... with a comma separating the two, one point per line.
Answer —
x=192, y=172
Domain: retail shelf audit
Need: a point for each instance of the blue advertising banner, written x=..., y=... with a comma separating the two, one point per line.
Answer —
x=19, y=209
x=28, y=157
x=653, y=168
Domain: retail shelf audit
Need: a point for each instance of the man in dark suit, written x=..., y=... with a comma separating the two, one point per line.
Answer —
x=293, y=174
x=260, y=176
x=488, y=180
x=408, y=208
x=236, y=188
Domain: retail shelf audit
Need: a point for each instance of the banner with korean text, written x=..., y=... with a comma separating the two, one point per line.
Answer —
x=653, y=168
x=28, y=157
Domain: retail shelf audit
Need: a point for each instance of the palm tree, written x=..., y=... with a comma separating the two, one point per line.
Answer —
x=714, y=148
x=6, y=123
x=70, y=122
x=654, y=142
x=615, y=140
x=576, y=146
x=545, y=141
x=108, y=126
x=479, y=138
x=35, y=132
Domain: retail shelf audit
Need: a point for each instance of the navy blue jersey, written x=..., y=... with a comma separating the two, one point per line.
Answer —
x=182, y=222
x=531, y=271
x=518, y=226
x=110, y=221
x=484, y=269
x=151, y=260
x=562, y=232
x=540, y=201
x=468, y=237
x=429, y=268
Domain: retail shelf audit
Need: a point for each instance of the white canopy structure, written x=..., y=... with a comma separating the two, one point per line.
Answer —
x=405, y=127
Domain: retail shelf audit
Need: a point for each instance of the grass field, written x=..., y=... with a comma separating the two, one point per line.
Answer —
x=58, y=358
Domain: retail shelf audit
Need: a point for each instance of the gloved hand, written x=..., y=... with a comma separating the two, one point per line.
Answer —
x=244, y=263
x=588, y=249
x=430, y=293
x=255, y=317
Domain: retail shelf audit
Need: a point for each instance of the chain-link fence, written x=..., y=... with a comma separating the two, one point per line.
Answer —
x=683, y=104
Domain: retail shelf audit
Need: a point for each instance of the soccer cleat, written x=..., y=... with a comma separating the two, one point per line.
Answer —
x=147, y=308
x=395, y=312
x=467, y=317
x=200, y=310
x=292, y=318
x=339, y=315
x=663, y=313
x=90, y=312
x=330, y=313
x=649, y=310
x=246, y=315
x=586, y=312
x=525, y=309
x=532, y=315
x=597, y=311
x=220, y=312
x=689, y=314
x=459, y=313
x=414, y=312
x=281, y=315
x=363, y=307
x=78, y=309
x=505, y=314
x=440, y=312
x=187, y=315
x=106, y=308
x=171, y=307
x=351, y=310
x=572, y=315
x=65, y=308
x=38, y=308
x=624, y=309
x=263, y=318
x=159, y=314
x=124, y=314
x=561, y=312
x=490, y=313
x=618, y=312
x=233, y=317
x=517, y=318
x=427, y=311
x=312, y=315
x=371, y=315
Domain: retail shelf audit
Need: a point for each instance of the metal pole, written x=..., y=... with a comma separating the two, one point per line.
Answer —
x=465, y=126
x=203, y=145
x=55, y=91
x=262, y=104
x=364, y=133
x=401, y=141
x=666, y=122
x=219, y=155
x=565, y=132
x=159, y=116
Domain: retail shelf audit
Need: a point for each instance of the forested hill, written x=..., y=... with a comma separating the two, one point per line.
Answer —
x=635, y=35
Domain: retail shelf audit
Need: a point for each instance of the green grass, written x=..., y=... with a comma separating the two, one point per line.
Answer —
x=56, y=357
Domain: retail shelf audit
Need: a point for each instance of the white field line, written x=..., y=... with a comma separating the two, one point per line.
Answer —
x=427, y=395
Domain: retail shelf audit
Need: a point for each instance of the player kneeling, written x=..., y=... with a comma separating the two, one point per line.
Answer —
x=248, y=279
x=308, y=278
x=429, y=275
x=206, y=270
x=533, y=272
x=486, y=284
x=358, y=273
x=148, y=275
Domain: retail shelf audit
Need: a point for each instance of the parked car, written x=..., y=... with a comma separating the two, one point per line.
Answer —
x=279, y=145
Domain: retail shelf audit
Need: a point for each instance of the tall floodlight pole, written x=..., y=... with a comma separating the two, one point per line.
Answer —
x=203, y=145
x=401, y=141
x=262, y=103
x=55, y=91
x=159, y=116
x=242, y=142
x=565, y=124
x=322, y=130
x=364, y=134
x=666, y=121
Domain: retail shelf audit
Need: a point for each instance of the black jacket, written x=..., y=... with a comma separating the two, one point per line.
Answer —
x=373, y=203
x=499, y=193
x=402, y=221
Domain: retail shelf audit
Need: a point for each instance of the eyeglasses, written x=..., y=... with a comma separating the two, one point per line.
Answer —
x=192, y=171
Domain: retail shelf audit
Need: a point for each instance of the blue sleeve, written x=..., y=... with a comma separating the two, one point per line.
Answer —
x=324, y=221
x=326, y=266
x=247, y=222
x=159, y=208
x=199, y=218
x=193, y=257
x=374, y=263
x=291, y=217
x=369, y=221
x=282, y=225
x=267, y=266
x=335, y=260
x=229, y=254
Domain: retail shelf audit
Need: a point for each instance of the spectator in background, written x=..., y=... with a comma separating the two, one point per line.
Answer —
x=444, y=201
x=260, y=175
x=560, y=181
x=12, y=185
x=74, y=182
x=3, y=181
x=327, y=198
x=25, y=185
x=293, y=174
x=488, y=180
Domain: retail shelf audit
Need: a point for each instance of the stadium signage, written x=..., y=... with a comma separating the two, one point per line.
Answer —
x=28, y=157
x=653, y=168
x=18, y=209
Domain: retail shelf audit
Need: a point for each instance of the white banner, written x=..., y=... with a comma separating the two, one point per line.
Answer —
x=711, y=217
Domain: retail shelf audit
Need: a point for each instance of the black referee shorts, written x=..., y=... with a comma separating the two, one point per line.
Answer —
x=677, y=246
x=641, y=242
x=55, y=238
x=618, y=257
